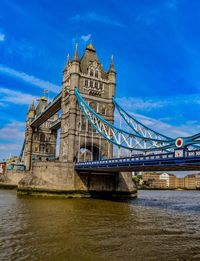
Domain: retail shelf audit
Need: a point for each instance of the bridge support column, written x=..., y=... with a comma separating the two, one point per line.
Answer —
x=60, y=179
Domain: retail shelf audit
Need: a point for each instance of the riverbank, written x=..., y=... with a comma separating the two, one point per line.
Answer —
x=8, y=186
x=176, y=189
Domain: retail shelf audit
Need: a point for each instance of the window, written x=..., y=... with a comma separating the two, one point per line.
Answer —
x=101, y=86
x=91, y=73
x=104, y=110
x=86, y=82
x=42, y=137
x=96, y=85
x=91, y=83
x=96, y=74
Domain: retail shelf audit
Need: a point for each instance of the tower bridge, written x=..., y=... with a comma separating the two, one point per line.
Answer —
x=96, y=156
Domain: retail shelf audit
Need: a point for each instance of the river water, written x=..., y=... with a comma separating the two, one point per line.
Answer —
x=159, y=225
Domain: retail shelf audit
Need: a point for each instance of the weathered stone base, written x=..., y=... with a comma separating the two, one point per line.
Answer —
x=60, y=179
x=7, y=186
x=73, y=194
x=11, y=179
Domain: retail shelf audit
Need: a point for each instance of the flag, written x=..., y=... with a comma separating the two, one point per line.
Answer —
x=46, y=91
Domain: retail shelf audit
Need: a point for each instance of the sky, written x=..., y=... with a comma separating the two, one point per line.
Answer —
x=156, y=48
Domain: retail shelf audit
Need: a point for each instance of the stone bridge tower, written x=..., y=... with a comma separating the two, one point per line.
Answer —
x=79, y=140
x=40, y=143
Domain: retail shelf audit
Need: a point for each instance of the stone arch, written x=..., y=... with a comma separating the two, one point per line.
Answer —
x=89, y=152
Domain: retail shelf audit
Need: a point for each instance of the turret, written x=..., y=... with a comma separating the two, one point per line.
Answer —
x=31, y=111
x=75, y=70
x=112, y=77
x=67, y=63
x=75, y=58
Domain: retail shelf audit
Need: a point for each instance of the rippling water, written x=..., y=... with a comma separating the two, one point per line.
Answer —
x=159, y=225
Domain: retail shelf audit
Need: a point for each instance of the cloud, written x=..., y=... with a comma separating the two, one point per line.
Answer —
x=94, y=17
x=15, y=97
x=146, y=104
x=11, y=137
x=13, y=131
x=86, y=37
x=29, y=79
x=2, y=37
x=8, y=150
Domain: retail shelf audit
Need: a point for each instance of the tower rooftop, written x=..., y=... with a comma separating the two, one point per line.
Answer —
x=90, y=47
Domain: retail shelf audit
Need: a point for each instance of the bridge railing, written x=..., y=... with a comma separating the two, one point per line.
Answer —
x=135, y=158
x=47, y=107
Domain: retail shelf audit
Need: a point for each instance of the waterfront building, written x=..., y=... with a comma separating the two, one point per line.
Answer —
x=2, y=167
x=159, y=180
x=190, y=181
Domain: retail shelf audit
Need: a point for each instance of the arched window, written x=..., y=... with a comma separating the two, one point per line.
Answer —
x=96, y=74
x=86, y=82
x=96, y=85
x=91, y=72
x=91, y=83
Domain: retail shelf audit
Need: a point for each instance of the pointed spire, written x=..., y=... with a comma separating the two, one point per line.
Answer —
x=68, y=59
x=76, y=53
x=68, y=62
x=112, y=68
x=90, y=47
x=32, y=106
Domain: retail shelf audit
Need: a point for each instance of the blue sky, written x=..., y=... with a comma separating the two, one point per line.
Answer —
x=156, y=46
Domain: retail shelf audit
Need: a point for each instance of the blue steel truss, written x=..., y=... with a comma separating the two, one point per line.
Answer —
x=138, y=127
x=119, y=137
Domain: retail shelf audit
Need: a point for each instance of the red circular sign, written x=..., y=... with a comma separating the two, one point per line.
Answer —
x=179, y=142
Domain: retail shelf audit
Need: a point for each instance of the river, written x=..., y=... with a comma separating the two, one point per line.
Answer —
x=159, y=225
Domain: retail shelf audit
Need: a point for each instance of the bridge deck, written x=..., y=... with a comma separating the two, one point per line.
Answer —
x=48, y=112
x=159, y=162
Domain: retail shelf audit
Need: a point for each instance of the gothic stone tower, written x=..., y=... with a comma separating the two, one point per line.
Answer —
x=40, y=143
x=97, y=88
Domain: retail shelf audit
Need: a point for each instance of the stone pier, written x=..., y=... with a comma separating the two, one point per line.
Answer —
x=60, y=178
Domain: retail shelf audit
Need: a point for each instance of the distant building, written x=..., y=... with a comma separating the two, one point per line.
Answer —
x=180, y=183
x=190, y=182
x=167, y=180
x=159, y=180
x=198, y=181
x=13, y=163
x=2, y=167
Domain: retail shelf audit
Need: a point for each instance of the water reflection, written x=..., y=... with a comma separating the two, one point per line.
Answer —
x=159, y=225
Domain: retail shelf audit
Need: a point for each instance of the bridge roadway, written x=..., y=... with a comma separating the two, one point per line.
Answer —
x=53, y=107
x=172, y=161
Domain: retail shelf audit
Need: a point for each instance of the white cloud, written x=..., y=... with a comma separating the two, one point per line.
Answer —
x=94, y=17
x=86, y=37
x=29, y=79
x=7, y=150
x=13, y=133
x=15, y=97
x=2, y=37
x=145, y=104
x=151, y=103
